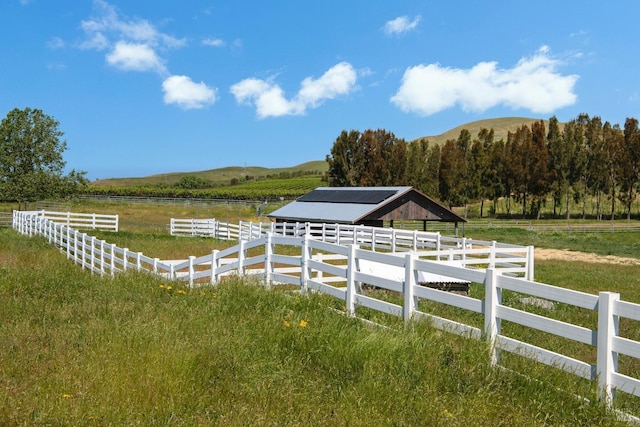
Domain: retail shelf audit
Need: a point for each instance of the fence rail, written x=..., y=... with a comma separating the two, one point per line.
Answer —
x=81, y=221
x=315, y=269
x=6, y=219
x=512, y=259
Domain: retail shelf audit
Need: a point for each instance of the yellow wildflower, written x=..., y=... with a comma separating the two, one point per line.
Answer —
x=303, y=323
x=169, y=287
x=182, y=291
x=66, y=396
x=162, y=286
x=286, y=324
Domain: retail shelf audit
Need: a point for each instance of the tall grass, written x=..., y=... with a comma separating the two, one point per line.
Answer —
x=79, y=349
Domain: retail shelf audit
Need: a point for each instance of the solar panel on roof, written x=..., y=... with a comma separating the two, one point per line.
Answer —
x=370, y=197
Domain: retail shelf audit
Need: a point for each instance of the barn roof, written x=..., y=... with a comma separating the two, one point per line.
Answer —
x=349, y=205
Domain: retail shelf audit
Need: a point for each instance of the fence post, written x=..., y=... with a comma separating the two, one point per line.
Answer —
x=68, y=242
x=125, y=257
x=117, y=222
x=305, y=270
x=492, y=299
x=268, y=265
x=530, y=263
x=75, y=246
x=102, y=257
x=464, y=250
x=214, y=266
x=351, y=283
x=113, y=259
x=191, y=270
x=84, y=250
x=492, y=254
x=93, y=253
x=607, y=360
x=241, y=258
x=319, y=273
x=393, y=239
x=409, y=283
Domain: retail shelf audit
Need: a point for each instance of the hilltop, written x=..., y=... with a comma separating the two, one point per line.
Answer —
x=224, y=176
x=501, y=126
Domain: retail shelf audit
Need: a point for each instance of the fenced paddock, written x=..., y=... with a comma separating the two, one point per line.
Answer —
x=512, y=259
x=341, y=278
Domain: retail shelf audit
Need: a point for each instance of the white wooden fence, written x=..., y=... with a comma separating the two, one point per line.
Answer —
x=310, y=271
x=512, y=259
x=80, y=221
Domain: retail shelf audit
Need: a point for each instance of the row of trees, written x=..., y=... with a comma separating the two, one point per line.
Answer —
x=583, y=159
x=31, y=162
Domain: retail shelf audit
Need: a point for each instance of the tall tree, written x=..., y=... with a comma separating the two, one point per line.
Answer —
x=423, y=162
x=451, y=174
x=597, y=176
x=560, y=153
x=343, y=160
x=432, y=183
x=538, y=183
x=613, y=140
x=370, y=158
x=31, y=162
x=581, y=165
x=495, y=173
x=467, y=185
x=573, y=140
x=630, y=164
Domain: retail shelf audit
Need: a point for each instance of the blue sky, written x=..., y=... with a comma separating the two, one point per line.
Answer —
x=146, y=87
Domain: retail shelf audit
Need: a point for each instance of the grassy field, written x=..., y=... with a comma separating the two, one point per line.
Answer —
x=78, y=349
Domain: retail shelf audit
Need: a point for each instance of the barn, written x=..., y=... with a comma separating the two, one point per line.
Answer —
x=370, y=206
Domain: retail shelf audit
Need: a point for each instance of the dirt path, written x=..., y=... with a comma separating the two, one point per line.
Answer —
x=566, y=255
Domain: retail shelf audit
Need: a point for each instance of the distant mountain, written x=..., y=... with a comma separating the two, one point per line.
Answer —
x=224, y=176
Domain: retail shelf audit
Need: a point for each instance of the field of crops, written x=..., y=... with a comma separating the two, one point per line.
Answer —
x=271, y=189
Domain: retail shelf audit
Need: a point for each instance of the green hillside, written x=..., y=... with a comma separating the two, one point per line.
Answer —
x=218, y=177
x=238, y=174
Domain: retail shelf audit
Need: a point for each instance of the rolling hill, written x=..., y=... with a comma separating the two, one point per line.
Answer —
x=224, y=176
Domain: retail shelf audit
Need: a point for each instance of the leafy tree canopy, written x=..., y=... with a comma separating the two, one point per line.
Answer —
x=31, y=163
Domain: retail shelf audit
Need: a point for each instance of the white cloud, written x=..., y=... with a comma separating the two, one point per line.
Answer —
x=134, y=57
x=108, y=23
x=187, y=94
x=55, y=43
x=532, y=84
x=106, y=30
x=137, y=45
x=400, y=25
x=270, y=101
x=213, y=42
